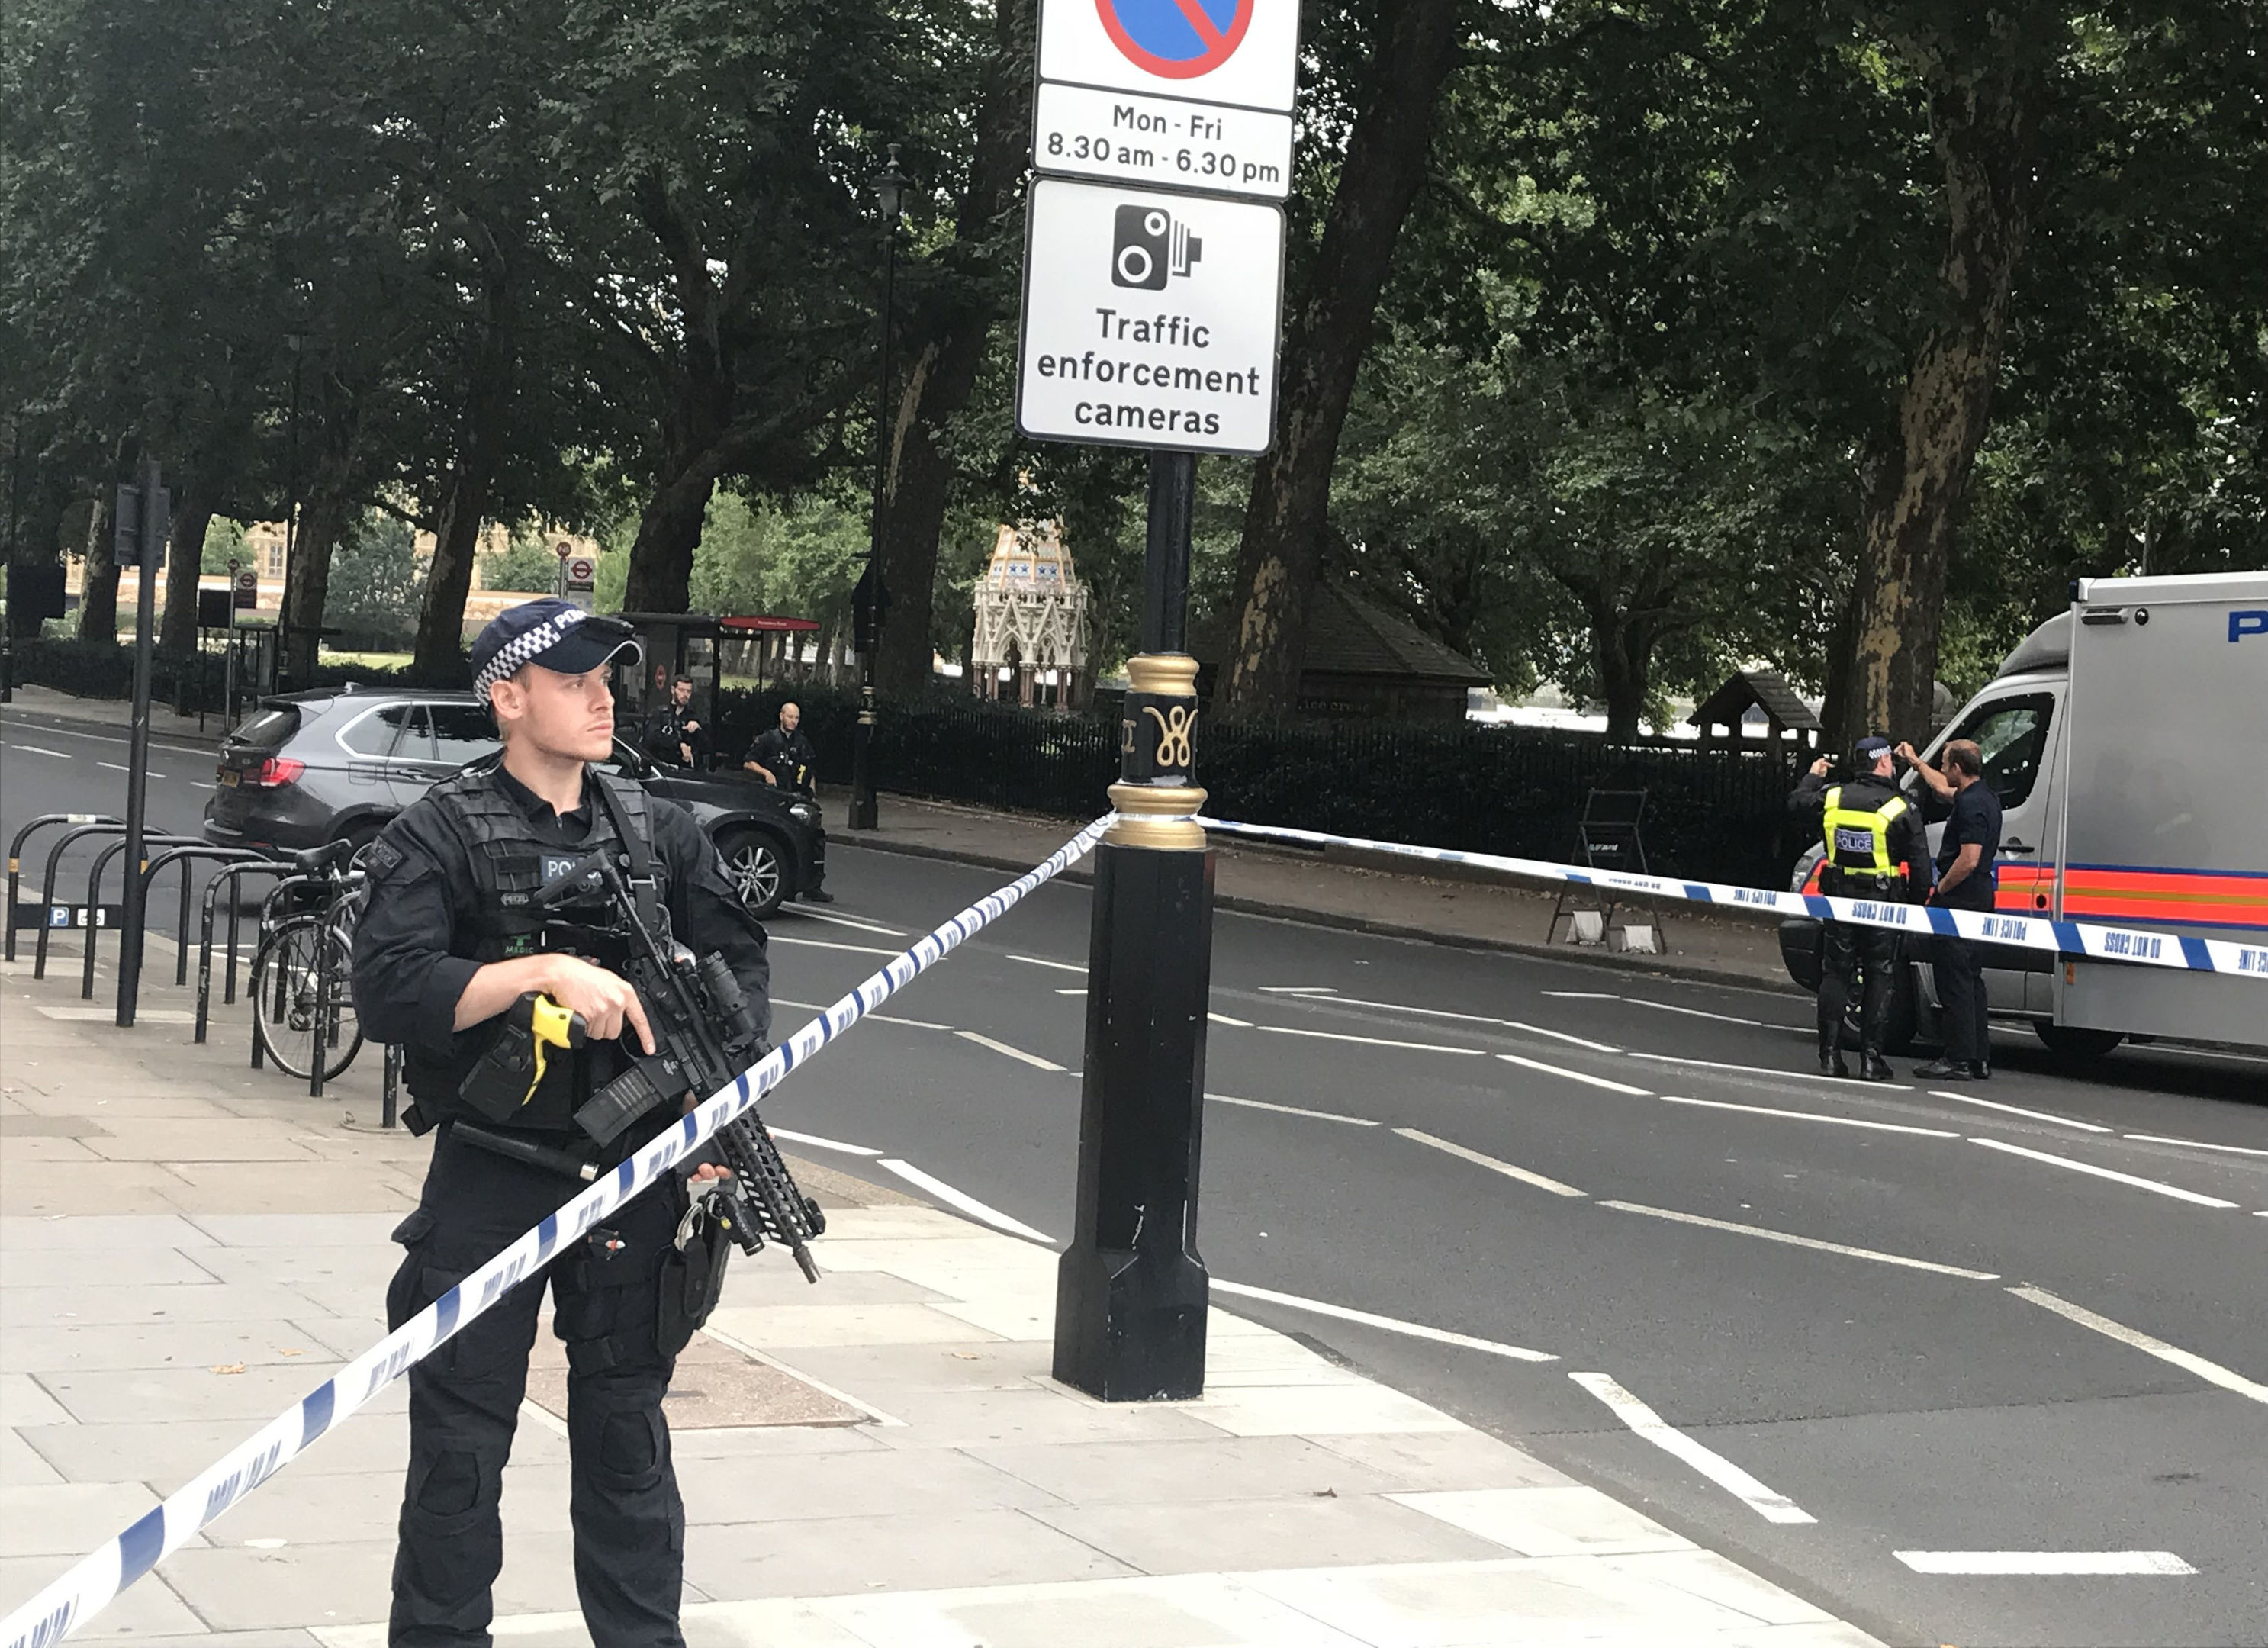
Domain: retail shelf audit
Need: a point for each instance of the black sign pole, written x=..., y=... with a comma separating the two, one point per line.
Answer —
x=154, y=526
x=1131, y=1291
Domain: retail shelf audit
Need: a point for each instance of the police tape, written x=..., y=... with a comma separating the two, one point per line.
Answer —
x=89, y=1585
x=2148, y=946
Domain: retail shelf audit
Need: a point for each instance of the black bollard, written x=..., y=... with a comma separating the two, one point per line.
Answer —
x=1131, y=1291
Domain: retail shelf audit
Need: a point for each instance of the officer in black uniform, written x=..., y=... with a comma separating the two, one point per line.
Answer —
x=676, y=738
x=446, y=956
x=1876, y=849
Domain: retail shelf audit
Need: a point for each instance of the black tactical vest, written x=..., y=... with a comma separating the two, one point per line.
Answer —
x=510, y=864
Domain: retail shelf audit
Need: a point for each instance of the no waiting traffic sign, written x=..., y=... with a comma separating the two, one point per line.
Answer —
x=1244, y=52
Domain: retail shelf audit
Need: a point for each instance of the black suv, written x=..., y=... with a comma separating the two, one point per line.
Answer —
x=308, y=768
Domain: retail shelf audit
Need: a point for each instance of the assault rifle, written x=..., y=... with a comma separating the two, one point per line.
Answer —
x=704, y=1034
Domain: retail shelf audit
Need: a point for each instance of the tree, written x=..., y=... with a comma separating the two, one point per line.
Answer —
x=376, y=586
x=1378, y=177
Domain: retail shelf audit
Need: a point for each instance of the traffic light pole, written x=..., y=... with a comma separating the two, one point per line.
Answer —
x=1131, y=1291
x=153, y=524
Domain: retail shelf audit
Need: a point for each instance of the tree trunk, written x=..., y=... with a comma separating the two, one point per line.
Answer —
x=1985, y=131
x=323, y=518
x=441, y=643
x=1323, y=348
x=185, y=554
x=98, y=584
x=37, y=534
x=946, y=340
x=661, y=558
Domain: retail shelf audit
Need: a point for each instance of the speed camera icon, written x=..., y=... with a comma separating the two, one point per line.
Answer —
x=1149, y=244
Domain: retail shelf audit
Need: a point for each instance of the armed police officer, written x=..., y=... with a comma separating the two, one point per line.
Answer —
x=1875, y=849
x=471, y=923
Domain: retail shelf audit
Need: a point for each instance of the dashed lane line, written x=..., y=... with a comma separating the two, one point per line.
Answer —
x=116, y=766
x=1644, y=1421
x=2188, y=1361
x=966, y=1204
x=1285, y=1109
x=890, y=1018
x=817, y=1143
x=1813, y=1116
x=2035, y=1115
x=1696, y=1013
x=35, y=750
x=1032, y=1059
x=1390, y=1324
x=856, y=922
x=1582, y=995
x=2045, y=1563
x=1510, y=1024
x=1784, y=1074
x=2234, y=1150
x=1333, y=1035
x=1812, y=1242
x=1523, y=1174
x=1298, y=989
x=1575, y=1075
x=2089, y=1169
x=827, y=944
x=1042, y=961
x=1223, y=1018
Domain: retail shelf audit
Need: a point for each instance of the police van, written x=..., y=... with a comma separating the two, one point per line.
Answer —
x=2127, y=739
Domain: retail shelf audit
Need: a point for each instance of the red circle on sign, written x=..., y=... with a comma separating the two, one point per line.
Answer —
x=1218, y=43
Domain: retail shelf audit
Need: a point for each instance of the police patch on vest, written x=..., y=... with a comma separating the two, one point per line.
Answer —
x=556, y=865
x=1858, y=842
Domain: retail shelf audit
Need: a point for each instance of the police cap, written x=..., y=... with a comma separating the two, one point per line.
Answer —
x=1868, y=748
x=556, y=634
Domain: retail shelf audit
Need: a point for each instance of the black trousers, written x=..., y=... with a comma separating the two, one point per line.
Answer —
x=1961, y=998
x=1844, y=952
x=464, y=1405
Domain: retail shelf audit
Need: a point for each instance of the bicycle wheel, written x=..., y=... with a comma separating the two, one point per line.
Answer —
x=284, y=1000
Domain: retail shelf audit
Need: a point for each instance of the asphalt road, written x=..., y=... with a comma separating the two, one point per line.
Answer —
x=1812, y=1286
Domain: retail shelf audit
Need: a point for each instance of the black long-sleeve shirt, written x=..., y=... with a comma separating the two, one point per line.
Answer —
x=414, y=943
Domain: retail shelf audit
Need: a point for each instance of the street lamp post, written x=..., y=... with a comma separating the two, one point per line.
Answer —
x=871, y=600
x=296, y=342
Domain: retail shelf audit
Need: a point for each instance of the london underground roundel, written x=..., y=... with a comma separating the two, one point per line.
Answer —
x=1178, y=39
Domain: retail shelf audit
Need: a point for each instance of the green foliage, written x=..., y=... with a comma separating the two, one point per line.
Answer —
x=375, y=586
x=224, y=544
x=529, y=561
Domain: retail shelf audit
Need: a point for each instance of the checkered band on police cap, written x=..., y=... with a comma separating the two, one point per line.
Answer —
x=524, y=649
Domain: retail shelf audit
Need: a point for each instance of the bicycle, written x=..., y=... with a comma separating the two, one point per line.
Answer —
x=302, y=971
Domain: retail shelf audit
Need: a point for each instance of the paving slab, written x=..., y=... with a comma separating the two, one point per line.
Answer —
x=1569, y=1521
x=104, y=1397
x=21, y=1465
x=153, y=1344
x=25, y=1400
x=1185, y=1473
x=896, y=1551
x=1275, y=1532
x=69, y=1520
x=126, y=1302
x=148, y=1610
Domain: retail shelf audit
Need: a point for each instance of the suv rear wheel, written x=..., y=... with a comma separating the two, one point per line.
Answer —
x=760, y=864
x=2076, y=1041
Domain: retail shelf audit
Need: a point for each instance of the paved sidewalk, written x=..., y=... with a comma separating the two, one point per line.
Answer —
x=1335, y=888
x=881, y=1460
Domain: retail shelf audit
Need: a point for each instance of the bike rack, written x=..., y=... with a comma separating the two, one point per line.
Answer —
x=149, y=839
x=184, y=857
x=48, y=879
x=16, y=860
x=229, y=874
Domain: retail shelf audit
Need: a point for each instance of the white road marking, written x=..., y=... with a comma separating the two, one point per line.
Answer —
x=1513, y=1024
x=1813, y=1116
x=1072, y=990
x=114, y=766
x=817, y=1143
x=2188, y=1361
x=2037, y=1116
x=1490, y=1162
x=1582, y=995
x=1759, y=1069
x=1223, y=1018
x=1767, y=1504
x=2174, y=1191
x=2133, y=1562
x=1804, y=1242
x=966, y=1202
x=910, y=1024
x=1415, y=1330
x=1282, y=1109
x=1033, y=1059
x=100, y=738
x=860, y=922
x=1298, y=989
x=1060, y=967
x=1576, y=1075
x=824, y=944
x=1695, y=1013
x=2236, y=1150
x=1330, y=1035
x=194, y=784
x=36, y=750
